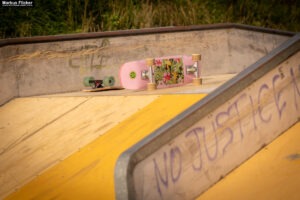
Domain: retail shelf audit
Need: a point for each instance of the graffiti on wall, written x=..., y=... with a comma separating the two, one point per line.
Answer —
x=89, y=57
x=229, y=132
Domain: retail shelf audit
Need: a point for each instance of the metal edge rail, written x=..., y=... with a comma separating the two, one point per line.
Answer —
x=123, y=33
x=124, y=186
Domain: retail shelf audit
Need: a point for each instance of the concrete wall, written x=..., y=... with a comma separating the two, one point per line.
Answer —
x=60, y=66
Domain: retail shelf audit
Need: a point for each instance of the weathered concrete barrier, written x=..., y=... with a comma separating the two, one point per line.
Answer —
x=200, y=146
x=55, y=64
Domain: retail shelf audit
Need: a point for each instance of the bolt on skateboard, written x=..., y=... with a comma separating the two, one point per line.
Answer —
x=161, y=72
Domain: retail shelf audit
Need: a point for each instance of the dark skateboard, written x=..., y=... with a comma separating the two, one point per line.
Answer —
x=100, y=85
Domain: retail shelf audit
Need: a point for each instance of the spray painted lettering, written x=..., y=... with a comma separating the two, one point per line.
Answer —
x=89, y=57
x=248, y=111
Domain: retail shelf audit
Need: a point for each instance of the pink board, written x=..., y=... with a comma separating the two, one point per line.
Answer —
x=168, y=72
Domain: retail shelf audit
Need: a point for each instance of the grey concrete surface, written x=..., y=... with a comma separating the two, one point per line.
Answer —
x=60, y=66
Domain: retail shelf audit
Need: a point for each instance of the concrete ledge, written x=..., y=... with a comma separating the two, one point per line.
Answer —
x=212, y=137
x=170, y=29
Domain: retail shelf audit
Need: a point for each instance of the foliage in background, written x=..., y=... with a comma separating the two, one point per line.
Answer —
x=50, y=17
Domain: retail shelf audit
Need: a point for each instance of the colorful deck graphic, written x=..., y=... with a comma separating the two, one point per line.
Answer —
x=168, y=71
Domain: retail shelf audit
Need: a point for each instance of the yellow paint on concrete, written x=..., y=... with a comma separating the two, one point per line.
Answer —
x=88, y=173
x=273, y=173
x=37, y=132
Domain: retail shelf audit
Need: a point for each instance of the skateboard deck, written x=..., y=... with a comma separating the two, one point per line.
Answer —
x=168, y=72
x=103, y=89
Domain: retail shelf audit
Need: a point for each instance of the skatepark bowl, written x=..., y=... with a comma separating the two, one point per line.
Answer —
x=236, y=136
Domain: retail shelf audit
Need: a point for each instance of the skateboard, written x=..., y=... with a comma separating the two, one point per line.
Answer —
x=100, y=85
x=160, y=72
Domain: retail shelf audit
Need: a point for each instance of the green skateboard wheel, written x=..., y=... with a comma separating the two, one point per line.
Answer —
x=108, y=81
x=86, y=81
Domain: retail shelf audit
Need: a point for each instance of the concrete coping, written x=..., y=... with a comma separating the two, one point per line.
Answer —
x=145, y=31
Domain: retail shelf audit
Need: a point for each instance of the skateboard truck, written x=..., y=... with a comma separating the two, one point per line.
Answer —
x=148, y=74
x=91, y=82
x=96, y=83
x=195, y=69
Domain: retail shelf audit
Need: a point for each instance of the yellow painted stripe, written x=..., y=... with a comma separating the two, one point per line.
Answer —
x=273, y=173
x=89, y=173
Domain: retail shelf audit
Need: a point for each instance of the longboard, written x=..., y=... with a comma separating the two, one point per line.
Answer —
x=168, y=72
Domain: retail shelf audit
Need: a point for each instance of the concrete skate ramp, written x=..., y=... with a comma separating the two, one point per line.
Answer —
x=203, y=144
x=39, y=163
x=37, y=133
x=109, y=124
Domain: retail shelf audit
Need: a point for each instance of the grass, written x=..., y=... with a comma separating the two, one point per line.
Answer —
x=94, y=15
